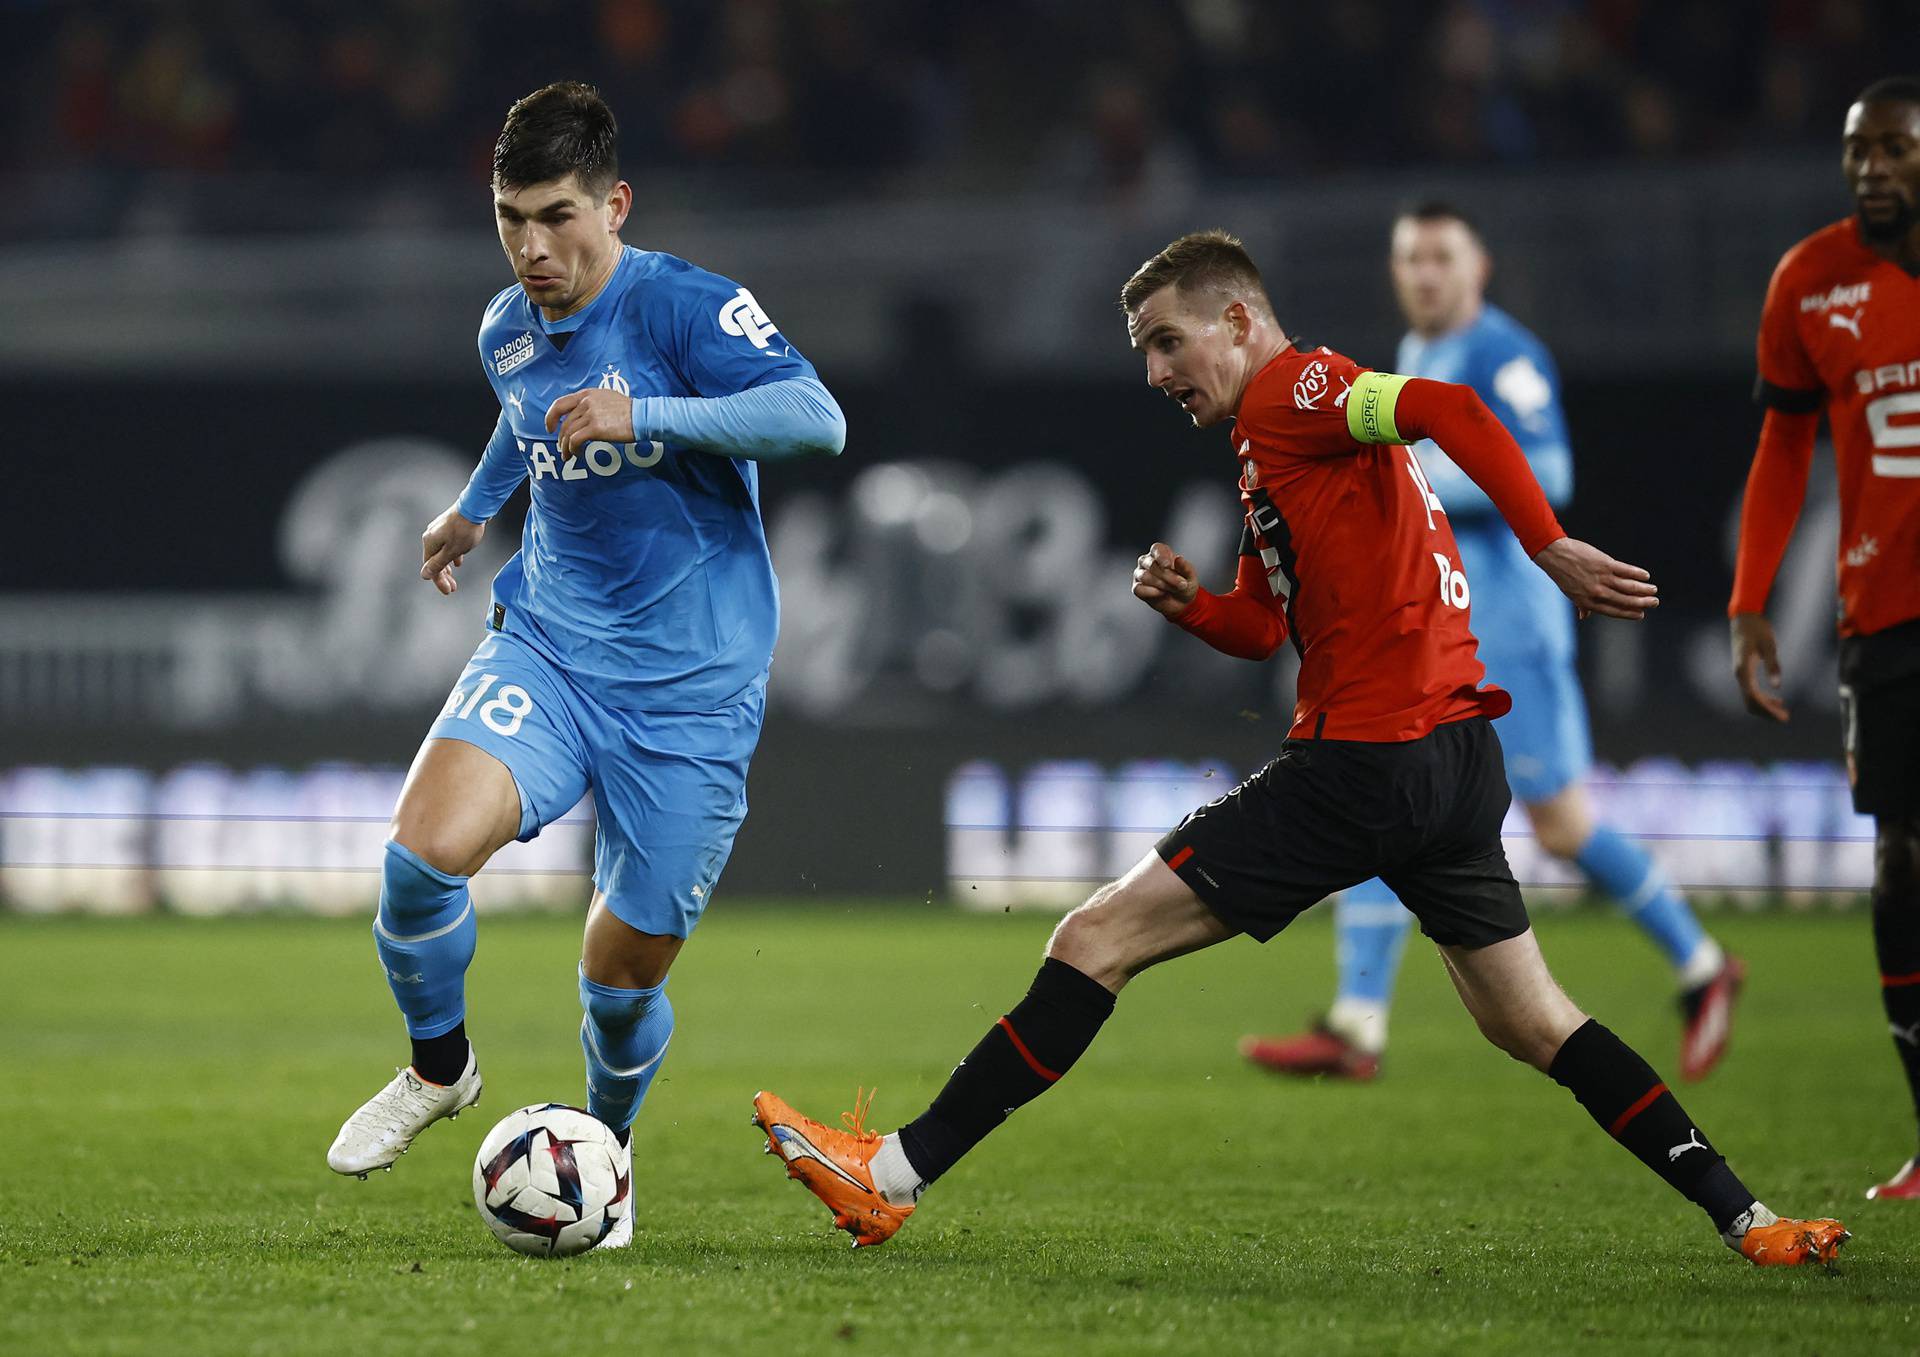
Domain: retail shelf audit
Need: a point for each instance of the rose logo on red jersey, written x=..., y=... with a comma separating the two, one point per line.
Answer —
x=1311, y=385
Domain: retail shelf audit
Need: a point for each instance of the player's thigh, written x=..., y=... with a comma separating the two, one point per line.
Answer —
x=670, y=793
x=1881, y=728
x=507, y=738
x=1148, y=916
x=1513, y=997
x=1306, y=826
x=458, y=807
x=1545, y=737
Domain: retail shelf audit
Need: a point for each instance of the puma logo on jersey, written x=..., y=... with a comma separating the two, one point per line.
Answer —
x=517, y=401
x=1851, y=324
x=1693, y=1143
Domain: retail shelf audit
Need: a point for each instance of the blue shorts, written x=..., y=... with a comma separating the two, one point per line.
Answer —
x=669, y=788
x=1545, y=737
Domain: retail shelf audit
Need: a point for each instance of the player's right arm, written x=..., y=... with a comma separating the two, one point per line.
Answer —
x=1789, y=386
x=1246, y=622
x=459, y=528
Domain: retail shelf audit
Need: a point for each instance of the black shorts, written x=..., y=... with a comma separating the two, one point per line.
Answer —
x=1423, y=815
x=1880, y=718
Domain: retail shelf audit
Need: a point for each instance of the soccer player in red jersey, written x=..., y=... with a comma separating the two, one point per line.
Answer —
x=1841, y=333
x=1391, y=768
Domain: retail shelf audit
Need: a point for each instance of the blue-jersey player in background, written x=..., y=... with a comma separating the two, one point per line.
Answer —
x=628, y=641
x=1525, y=630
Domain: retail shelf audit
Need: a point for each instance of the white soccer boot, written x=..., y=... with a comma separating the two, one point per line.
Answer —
x=384, y=1127
x=621, y=1235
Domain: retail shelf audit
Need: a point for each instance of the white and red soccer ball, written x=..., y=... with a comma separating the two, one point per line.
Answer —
x=551, y=1181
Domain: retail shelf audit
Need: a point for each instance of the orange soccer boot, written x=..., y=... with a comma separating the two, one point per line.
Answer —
x=836, y=1166
x=1789, y=1243
x=1904, y=1185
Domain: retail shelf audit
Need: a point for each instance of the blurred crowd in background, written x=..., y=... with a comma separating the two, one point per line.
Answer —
x=822, y=96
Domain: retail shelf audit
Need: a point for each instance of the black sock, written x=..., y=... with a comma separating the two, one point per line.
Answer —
x=1622, y=1093
x=1896, y=944
x=441, y=1059
x=1018, y=1060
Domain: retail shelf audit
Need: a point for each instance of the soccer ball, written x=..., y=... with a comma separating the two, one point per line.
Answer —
x=551, y=1180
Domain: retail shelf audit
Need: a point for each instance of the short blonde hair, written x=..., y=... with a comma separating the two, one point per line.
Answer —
x=1200, y=261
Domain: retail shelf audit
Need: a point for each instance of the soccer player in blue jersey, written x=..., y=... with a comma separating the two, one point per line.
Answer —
x=1440, y=271
x=627, y=642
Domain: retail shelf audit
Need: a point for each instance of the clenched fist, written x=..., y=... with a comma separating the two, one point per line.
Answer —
x=1164, y=580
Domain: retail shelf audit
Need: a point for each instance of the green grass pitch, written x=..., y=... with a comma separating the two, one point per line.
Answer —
x=168, y=1088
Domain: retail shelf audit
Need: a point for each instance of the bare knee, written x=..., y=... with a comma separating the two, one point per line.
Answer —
x=613, y=952
x=1089, y=941
x=1561, y=826
x=1563, y=822
x=1520, y=1042
x=459, y=806
x=1534, y=1037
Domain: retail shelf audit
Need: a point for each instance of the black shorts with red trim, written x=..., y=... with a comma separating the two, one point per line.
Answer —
x=1880, y=719
x=1423, y=815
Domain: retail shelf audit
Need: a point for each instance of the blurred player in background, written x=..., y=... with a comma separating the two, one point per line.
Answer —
x=1525, y=628
x=1390, y=768
x=1841, y=332
x=628, y=640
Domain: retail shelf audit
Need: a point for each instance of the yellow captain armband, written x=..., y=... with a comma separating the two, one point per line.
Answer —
x=1370, y=407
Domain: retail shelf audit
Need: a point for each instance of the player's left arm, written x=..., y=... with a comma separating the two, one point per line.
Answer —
x=758, y=399
x=1522, y=389
x=1386, y=408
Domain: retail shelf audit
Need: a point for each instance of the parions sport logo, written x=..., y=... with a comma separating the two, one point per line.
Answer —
x=512, y=354
x=1842, y=294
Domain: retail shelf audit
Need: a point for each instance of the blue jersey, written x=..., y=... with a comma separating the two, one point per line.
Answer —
x=644, y=571
x=1517, y=610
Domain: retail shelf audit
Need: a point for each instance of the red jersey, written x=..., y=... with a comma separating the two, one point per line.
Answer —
x=1841, y=332
x=1349, y=551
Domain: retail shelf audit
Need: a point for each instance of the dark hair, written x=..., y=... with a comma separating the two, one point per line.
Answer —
x=1894, y=89
x=1199, y=261
x=561, y=129
x=1438, y=209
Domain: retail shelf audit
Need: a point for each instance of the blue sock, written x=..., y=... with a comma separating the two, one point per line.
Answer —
x=1370, y=932
x=425, y=935
x=1624, y=871
x=624, y=1034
